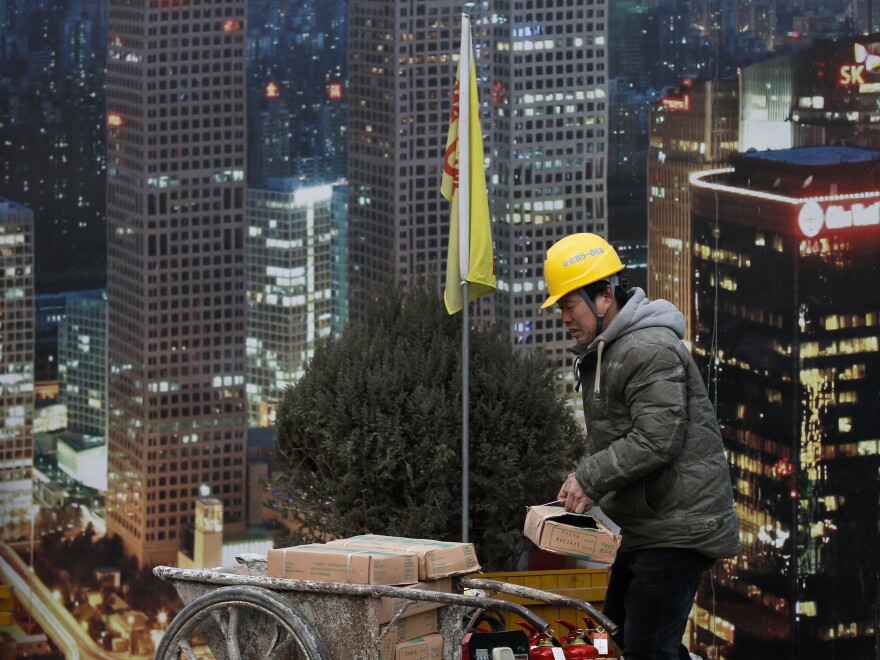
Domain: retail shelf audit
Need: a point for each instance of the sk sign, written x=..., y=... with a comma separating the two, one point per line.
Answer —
x=854, y=74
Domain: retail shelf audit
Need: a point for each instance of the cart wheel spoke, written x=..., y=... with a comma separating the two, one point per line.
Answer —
x=232, y=635
x=187, y=649
x=284, y=648
x=273, y=642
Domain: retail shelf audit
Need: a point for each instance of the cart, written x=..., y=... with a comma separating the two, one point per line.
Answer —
x=239, y=612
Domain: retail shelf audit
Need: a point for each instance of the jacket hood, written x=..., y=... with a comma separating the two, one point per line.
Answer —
x=638, y=313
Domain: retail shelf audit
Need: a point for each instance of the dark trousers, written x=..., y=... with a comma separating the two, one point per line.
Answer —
x=650, y=594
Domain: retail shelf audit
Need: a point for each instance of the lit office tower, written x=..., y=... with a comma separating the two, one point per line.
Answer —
x=828, y=94
x=82, y=362
x=16, y=361
x=288, y=289
x=694, y=127
x=401, y=75
x=787, y=325
x=549, y=152
x=176, y=267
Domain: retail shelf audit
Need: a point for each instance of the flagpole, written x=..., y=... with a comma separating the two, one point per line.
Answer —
x=470, y=263
x=464, y=238
x=465, y=395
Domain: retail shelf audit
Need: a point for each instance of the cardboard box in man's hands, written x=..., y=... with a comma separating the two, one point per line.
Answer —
x=554, y=529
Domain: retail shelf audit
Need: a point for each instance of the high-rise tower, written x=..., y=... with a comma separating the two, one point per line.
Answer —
x=82, y=361
x=288, y=288
x=549, y=152
x=176, y=271
x=16, y=360
x=694, y=127
x=787, y=330
x=401, y=75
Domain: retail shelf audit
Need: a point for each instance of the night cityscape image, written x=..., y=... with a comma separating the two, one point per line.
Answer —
x=224, y=247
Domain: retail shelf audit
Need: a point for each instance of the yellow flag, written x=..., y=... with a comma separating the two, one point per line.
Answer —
x=469, y=256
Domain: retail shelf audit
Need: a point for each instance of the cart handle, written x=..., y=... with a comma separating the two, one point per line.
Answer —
x=540, y=595
x=366, y=590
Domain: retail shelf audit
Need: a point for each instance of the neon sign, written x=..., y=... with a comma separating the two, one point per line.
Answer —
x=114, y=119
x=272, y=91
x=812, y=217
x=334, y=91
x=231, y=25
x=854, y=74
x=674, y=104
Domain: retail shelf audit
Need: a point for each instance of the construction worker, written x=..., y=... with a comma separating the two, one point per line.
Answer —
x=655, y=462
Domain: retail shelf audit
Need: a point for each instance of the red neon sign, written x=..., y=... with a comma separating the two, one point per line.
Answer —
x=498, y=92
x=677, y=104
x=114, y=119
x=272, y=90
x=782, y=468
x=334, y=91
x=231, y=25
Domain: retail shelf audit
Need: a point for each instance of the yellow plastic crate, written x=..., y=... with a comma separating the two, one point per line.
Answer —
x=589, y=584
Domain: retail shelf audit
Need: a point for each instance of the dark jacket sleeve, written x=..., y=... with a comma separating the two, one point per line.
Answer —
x=653, y=385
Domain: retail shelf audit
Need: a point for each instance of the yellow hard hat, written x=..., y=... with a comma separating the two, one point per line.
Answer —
x=576, y=261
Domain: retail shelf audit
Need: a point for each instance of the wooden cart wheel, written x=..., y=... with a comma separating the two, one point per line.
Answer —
x=241, y=622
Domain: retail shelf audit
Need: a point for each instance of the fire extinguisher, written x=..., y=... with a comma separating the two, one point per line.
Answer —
x=575, y=644
x=540, y=643
x=599, y=638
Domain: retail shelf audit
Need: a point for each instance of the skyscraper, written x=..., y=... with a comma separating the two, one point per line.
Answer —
x=288, y=289
x=82, y=362
x=828, y=94
x=788, y=332
x=550, y=141
x=401, y=75
x=176, y=267
x=16, y=361
x=694, y=127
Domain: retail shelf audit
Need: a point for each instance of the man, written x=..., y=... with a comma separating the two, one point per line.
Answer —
x=655, y=462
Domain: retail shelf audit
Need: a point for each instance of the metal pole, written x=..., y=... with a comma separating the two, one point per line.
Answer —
x=465, y=395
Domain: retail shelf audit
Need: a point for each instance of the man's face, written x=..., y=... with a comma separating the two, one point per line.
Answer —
x=577, y=317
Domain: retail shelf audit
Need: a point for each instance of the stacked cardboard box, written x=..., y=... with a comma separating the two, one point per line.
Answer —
x=413, y=628
x=325, y=563
x=372, y=559
x=437, y=559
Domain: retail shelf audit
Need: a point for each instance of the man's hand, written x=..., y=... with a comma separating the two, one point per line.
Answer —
x=574, y=496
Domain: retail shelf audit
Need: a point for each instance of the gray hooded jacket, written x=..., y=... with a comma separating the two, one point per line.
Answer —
x=656, y=462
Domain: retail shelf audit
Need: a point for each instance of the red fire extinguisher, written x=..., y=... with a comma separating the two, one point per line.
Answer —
x=599, y=638
x=541, y=644
x=575, y=644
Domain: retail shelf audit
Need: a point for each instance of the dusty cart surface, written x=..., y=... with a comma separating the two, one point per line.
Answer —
x=240, y=612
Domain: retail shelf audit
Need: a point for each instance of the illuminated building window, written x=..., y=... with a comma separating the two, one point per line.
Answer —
x=807, y=608
x=844, y=424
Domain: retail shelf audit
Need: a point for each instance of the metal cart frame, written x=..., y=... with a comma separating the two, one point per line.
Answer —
x=240, y=612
